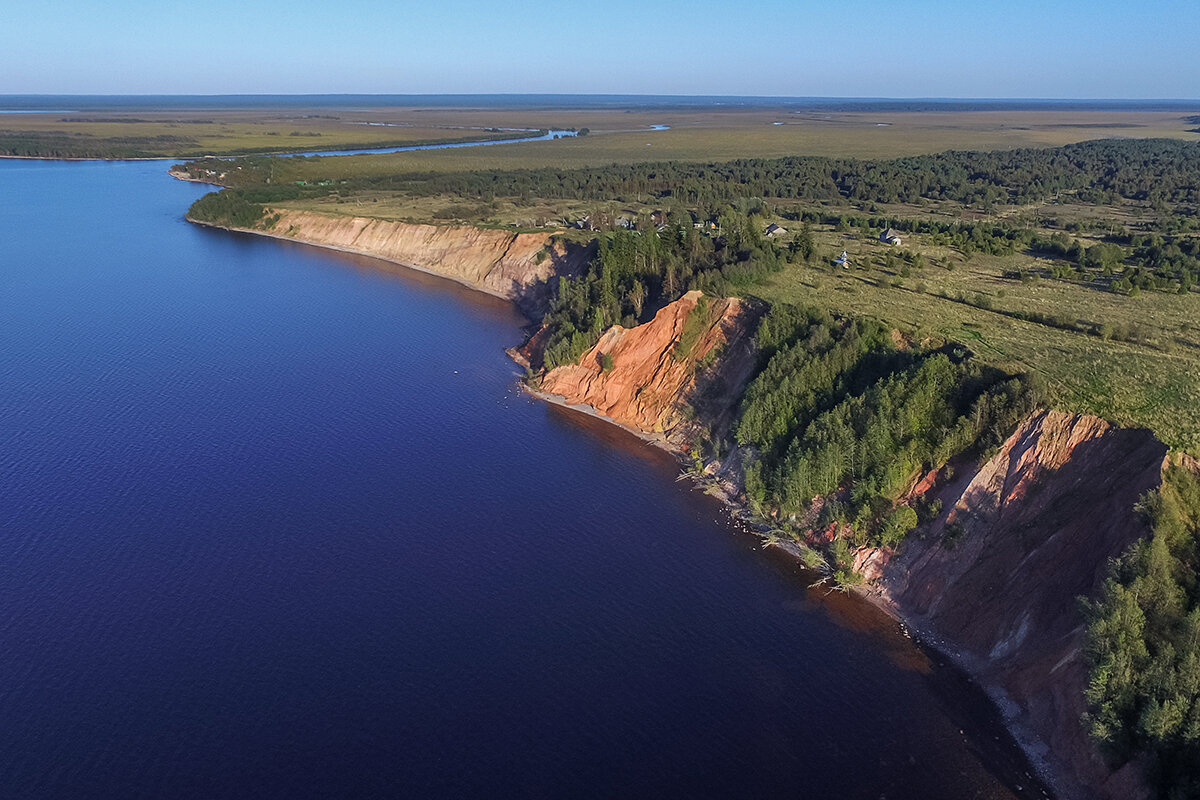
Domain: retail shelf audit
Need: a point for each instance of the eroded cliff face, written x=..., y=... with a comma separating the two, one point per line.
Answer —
x=512, y=265
x=657, y=371
x=995, y=580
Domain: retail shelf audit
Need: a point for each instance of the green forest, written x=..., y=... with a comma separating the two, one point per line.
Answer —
x=1101, y=171
x=635, y=273
x=840, y=414
x=1144, y=643
x=43, y=144
x=838, y=410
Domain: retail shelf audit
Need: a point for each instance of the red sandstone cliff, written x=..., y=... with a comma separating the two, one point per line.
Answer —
x=1030, y=531
x=654, y=379
x=995, y=580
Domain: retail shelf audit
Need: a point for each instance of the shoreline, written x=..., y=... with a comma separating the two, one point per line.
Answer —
x=90, y=158
x=737, y=509
x=1028, y=743
x=352, y=251
x=186, y=178
x=350, y=150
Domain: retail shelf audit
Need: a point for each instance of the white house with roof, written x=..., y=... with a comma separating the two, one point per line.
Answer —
x=890, y=236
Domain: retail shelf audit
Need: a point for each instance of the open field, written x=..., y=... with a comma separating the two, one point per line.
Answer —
x=170, y=134
x=1152, y=382
x=507, y=212
x=616, y=136
x=724, y=136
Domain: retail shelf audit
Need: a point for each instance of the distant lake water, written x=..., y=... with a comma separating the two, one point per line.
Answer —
x=536, y=137
x=279, y=523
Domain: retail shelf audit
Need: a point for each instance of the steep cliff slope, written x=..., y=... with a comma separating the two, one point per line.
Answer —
x=995, y=580
x=504, y=263
x=658, y=369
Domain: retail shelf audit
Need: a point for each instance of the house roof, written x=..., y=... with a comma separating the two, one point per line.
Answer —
x=890, y=234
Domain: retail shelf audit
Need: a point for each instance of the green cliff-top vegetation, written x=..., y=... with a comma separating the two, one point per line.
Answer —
x=839, y=412
x=1144, y=643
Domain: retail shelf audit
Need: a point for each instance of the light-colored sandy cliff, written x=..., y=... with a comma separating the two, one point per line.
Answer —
x=662, y=367
x=501, y=262
x=996, y=579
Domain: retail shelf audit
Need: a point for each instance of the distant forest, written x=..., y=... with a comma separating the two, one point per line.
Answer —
x=1152, y=170
x=42, y=144
x=1099, y=171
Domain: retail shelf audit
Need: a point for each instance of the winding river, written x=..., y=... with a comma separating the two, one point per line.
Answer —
x=536, y=137
x=278, y=522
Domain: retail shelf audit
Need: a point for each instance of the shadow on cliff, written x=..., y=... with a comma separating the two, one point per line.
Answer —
x=534, y=298
x=718, y=389
x=1034, y=529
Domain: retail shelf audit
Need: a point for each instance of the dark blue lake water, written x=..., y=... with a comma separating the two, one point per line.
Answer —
x=276, y=523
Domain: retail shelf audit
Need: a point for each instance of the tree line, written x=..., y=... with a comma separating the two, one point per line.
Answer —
x=841, y=416
x=635, y=273
x=1144, y=644
x=48, y=144
x=1101, y=171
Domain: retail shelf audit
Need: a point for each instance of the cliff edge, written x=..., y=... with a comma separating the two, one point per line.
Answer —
x=518, y=266
x=995, y=581
x=687, y=366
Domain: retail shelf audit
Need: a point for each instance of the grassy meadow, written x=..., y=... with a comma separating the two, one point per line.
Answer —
x=169, y=134
x=616, y=136
x=1151, y=382
x=627, y=138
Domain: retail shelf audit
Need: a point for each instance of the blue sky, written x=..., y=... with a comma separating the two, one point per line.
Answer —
x=929, y=48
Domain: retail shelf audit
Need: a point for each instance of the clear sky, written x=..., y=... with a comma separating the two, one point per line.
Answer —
x=861, y=48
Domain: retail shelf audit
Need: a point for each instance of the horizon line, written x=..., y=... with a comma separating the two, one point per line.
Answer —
x=901, y=98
